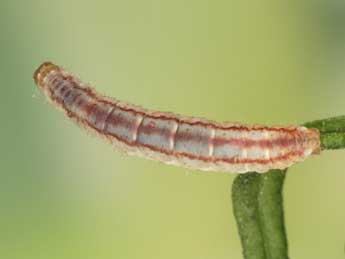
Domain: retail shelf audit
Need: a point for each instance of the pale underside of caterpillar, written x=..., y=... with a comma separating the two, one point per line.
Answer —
x=173, y=139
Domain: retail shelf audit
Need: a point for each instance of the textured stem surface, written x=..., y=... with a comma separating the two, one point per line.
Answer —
x=271, y=214
x=245, y=191
x=334, y=124
x=332, y=132
x=258, y=210
x=333, y=140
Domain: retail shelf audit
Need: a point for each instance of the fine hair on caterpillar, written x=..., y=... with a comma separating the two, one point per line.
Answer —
x=174, y=139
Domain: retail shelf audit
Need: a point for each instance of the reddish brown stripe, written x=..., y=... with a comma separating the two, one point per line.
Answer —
x=182, y=136
x=80, y=102
x=90, y=108
x=282, y=142
x=185, y=136
x=150, y=129
x=210, y=159
x=193, y=157
x=195, y=137
x=120, y=120
x=179, y=120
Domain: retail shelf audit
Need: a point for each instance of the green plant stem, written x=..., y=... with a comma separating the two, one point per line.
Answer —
x=332, y=132
x=330, y=125
x=258, y=204
x=271, y=214
x=245, y=191
x=332, y=140
x=258, y=209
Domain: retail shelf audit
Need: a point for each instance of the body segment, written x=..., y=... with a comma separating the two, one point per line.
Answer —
x=191, y=142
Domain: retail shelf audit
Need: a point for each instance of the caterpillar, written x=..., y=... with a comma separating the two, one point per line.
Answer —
x=191, y=142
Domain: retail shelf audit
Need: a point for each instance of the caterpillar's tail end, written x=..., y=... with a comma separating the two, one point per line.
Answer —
x=42, y=71
x=314, y=139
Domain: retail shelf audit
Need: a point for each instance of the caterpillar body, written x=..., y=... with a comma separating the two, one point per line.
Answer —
x=191, y=142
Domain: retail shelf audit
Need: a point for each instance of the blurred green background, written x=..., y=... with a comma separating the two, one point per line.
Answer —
x=66, y=194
